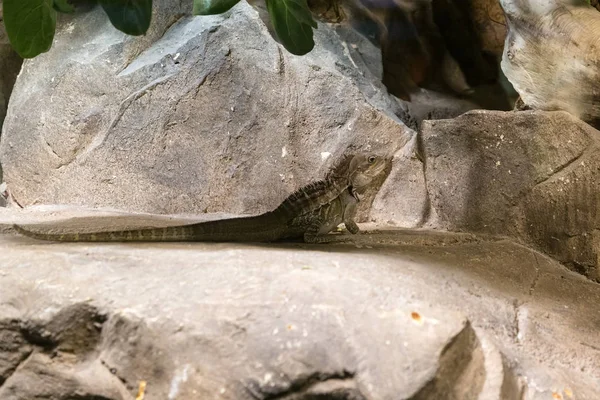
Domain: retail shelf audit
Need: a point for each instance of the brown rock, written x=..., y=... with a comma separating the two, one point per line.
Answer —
x=551, y=55
x=529, y=175
x=490, y=25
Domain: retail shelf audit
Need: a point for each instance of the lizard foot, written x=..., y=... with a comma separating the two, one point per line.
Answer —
x=352, y=227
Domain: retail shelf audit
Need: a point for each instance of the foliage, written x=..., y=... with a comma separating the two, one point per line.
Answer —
x=129, y=16
x=30, y=24
x=64, y=6
x=293, y=24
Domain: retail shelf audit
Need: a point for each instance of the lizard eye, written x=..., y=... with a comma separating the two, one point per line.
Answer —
x=371, y=159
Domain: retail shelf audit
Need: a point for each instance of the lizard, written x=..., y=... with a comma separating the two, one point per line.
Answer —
x=309, y=213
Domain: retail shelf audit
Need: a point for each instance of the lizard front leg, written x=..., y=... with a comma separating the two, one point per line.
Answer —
x=350, y=202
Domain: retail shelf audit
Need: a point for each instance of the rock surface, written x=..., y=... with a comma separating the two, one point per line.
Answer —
x=531, y=175
x=393, y=314
x=129, y=125
x=402, y=200
x=551, y=55
x=201, y=114
x=205, y=114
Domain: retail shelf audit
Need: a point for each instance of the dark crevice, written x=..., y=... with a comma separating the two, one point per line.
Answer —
x=37, y=335
x=421, y=156
x=113, y=371
x=316, y=386
x=586, y=270
x=75, y=329
x=88, y=397
x=563, y=167
x=12, y=341
x=591, y=346
x=461, y=372
x=10, y=371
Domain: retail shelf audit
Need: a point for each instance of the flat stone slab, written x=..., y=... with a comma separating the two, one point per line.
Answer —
x=387, y=314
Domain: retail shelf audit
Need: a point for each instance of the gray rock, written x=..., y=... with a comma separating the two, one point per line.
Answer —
x=393, y=314
x=402, y=199
x=201, y=114
x=529, y=175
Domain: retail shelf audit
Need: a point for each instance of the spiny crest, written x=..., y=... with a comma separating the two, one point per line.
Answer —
x=302, y=198
x=316, y=194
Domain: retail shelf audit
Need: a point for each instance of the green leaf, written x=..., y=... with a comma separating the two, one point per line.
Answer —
x=30, y=25
x=63, y=6
x=293, y=24
x=129, y=16
x=211, y=7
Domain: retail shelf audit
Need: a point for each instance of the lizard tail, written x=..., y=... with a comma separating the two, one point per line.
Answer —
x=261, y=228
x=167, y=234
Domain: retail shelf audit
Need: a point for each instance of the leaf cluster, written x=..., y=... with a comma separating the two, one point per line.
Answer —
x=30, y=24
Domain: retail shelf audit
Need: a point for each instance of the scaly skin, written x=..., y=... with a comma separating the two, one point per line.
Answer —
x=308, y=213
x=314, y=226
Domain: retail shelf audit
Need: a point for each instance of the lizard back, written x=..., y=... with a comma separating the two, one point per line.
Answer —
x=317, y=194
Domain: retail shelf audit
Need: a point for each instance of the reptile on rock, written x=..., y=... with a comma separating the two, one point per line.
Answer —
x=309, y=213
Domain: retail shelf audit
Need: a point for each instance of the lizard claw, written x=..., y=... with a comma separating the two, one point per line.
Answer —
x=355, y=194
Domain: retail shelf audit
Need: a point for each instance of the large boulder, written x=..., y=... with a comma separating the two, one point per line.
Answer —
x=534, y=176
x=201, y=114
x=396, y=315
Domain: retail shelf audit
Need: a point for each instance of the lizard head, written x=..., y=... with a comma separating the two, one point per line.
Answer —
x=364, y=168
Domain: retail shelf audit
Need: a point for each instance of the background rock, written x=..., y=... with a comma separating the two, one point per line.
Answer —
x=488, y=20
x=425, y=44
x=191, y=117
x=551, y=55
x=10, y=64
x=529, y=175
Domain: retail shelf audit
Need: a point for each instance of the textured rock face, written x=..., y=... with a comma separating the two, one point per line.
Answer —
x=402, y=198
x=411, y=315
x=201, y=114
x=551, y=55
x=530, y=175
x=208, y=114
